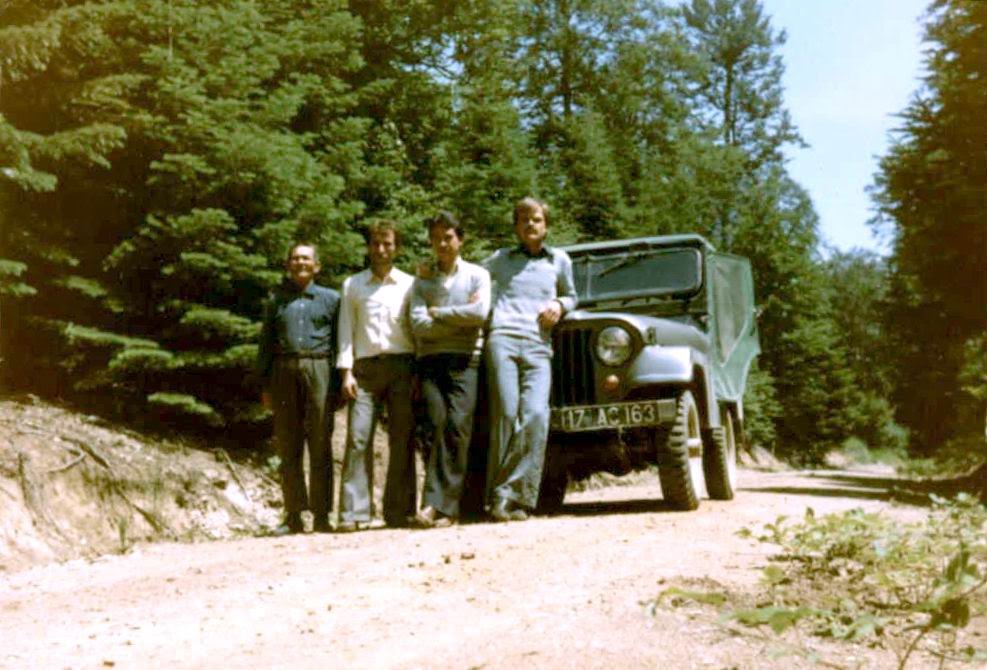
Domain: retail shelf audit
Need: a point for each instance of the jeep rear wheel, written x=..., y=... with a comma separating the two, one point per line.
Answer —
x=679, y=452
x=720, y=459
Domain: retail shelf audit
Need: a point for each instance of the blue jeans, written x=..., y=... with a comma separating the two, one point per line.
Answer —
x=519, y=373
x=381, y=379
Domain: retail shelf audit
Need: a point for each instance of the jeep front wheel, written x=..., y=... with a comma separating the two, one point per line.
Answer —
x=720, y=459
x=680, y=452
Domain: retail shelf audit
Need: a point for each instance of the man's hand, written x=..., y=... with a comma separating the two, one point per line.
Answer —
x=550, y=314
x=474, y=297
x=432, y=311
x=349, y=385
x=265, y=400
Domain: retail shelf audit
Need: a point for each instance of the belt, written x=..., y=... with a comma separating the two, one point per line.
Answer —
x=384, y=357
x=304, y=354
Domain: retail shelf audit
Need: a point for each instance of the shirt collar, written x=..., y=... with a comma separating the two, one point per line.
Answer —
x=388, y=278
x=291, y=288
x=455, y=268
x=546, y=251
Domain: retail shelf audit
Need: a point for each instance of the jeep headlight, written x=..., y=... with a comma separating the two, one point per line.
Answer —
x=613, y=346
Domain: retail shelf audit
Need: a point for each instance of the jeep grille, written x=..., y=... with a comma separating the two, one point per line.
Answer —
x=573, y=368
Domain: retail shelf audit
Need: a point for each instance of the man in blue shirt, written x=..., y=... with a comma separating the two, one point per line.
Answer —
x=295, y=360
x=533, y=288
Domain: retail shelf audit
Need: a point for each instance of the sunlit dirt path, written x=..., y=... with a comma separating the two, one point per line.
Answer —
x=555, y=592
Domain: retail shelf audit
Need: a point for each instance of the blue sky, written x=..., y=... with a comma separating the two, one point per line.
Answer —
x=850, y=66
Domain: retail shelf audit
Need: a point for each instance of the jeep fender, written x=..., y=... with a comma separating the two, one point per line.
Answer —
x=675, y=366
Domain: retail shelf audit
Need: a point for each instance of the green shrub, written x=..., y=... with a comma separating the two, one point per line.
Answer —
x=955, y=457
x=864, y=576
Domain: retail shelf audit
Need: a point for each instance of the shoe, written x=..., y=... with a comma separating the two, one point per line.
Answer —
x=321, y=526
x=410, y=521
x=519, y=514
x=427, y=517
x=350, y=526
x=501, y=510
x=292, y=525
x=430, y=517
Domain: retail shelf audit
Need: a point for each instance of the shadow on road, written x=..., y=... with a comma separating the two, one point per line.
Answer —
x=595, y=508
x=819, y=484
x=636, y=506
x=848, y=485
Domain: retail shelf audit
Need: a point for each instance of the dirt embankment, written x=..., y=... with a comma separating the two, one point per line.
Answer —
x=73, y=486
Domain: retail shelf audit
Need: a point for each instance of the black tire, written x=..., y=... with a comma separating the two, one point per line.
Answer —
x=720, y=459
x=679, y=451
x=554, y=480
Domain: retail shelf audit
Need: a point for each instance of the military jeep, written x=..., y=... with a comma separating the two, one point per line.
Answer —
x=651, y=367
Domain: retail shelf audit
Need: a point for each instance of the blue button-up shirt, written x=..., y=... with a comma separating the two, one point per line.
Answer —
x=298, y=322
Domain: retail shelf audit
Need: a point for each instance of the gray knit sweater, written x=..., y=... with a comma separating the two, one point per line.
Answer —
x=523, y=284
x=455, y=326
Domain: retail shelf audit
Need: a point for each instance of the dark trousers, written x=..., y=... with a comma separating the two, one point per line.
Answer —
x=387, y=380
x=449, y=388
x=303, y=411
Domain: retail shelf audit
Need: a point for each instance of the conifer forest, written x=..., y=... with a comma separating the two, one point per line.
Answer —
x=157, y=158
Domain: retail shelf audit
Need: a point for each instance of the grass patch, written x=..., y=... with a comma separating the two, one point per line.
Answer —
x=857, y=451
x=954, y=458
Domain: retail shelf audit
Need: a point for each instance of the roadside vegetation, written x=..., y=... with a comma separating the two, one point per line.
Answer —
x=864, y=578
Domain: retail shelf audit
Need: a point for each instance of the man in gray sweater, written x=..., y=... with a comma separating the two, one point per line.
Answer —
x=449, y=304
x=532, y=288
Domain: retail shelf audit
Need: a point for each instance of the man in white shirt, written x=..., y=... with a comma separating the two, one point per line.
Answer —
x=375, y=359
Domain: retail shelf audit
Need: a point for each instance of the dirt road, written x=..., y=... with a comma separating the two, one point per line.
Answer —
x=554, y=592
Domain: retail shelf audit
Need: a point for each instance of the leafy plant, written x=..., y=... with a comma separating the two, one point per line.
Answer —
x=863, y=576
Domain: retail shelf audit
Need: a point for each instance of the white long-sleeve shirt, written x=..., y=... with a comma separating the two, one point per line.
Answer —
x=373, y=317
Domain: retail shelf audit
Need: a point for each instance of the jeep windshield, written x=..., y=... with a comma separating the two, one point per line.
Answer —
x=630, y=274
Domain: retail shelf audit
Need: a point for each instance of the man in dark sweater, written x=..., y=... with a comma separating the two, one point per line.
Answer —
x=295, y=361
x=449, y=304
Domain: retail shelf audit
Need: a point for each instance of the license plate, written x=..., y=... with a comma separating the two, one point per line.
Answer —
x=615, y=415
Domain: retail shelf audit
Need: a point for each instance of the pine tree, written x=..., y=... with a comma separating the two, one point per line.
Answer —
x=235, y=117
x=485, y=162
x=740, y=88
x=592, y=192
x=801, y=348
x=59, y=126
x=931, y=192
